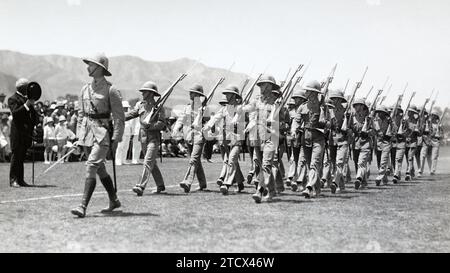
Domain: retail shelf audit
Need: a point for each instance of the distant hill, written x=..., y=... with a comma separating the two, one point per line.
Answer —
x=7, y=84
x=60, y=75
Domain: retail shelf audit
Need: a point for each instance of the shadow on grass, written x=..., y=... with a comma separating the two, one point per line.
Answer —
x=164, y=194
x=293, y=201
x=120, y=213
x=43, y=186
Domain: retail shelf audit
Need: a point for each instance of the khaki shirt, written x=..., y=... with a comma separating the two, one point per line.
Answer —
x=106, y=99
x=225, y=120
x=190, y=121
x=264, y=122
x=150, y=129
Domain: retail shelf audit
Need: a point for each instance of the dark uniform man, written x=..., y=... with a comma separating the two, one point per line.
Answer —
x=22, y=125
x=98, y=101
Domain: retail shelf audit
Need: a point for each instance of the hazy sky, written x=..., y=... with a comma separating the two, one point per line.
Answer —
x=408, y=40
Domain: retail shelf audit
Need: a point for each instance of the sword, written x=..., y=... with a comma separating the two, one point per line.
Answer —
x=58, y=161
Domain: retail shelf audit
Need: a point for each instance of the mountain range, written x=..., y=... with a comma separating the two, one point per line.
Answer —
x=60, y=75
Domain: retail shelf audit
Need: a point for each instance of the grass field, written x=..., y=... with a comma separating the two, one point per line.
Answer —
x=407, y=217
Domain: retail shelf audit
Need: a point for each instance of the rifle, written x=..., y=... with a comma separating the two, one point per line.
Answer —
x=159, y=106
x=250, y=90
x=346, y=84
x=325, y=84
x=368, y=93
x=297, y=81
x=405, y=117
x=245, y=83
x=213, y=90
x=287, y=91
x=344, y=126
x=427, y=128
x=422, y=114
x=394, y=114
x=371, y=112
x=163, y=98
x=285, y=80
x=198, y=121
x=384, y=97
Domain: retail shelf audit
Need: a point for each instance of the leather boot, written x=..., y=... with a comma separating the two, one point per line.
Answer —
x=89, y=187
x=114, y=202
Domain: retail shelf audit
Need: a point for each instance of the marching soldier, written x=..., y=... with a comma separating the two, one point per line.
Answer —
x=98, y=101
x=340, y=140
x=228, y=120
x=398, y=145
x=411, y=135
x=312, y=117
x=383, y=142
x=299, y=98
x=150, y=136
x=435, y=136
x=420, y=139
x=362, y=142
x=329, y=158
x=278, y=170
x=266, y=130
x=219, y=135
x=190, y=121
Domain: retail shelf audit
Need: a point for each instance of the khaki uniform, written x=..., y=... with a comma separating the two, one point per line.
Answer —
x=383, y=147
x=150, y=133
x=411, y=146
x=230, y=139
x=92, y=126
x=430, y=149
x=362, y=148
x=266, y=133
x=190, y=121
x=313, y=139
x=294, y=149
x=341, y=143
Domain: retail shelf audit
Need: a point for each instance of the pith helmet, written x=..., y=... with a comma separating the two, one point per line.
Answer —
x=361, y=101
x=329, y=103
x=150, y=86
x=62, y=118
x=435, y=113
x=268, y=79
x=198, y=89
x=313, y=86
x=413, y=109
x=337, y=94
x=101, y=60
x=291, y=101
x=382, y=108
x=223, y=101
x=231, y=89
x=399, y=108
x=424, y=110
x=299, y=94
